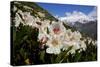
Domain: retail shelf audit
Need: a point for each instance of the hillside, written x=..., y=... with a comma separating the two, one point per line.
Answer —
x=33, y=8
x=89, y=28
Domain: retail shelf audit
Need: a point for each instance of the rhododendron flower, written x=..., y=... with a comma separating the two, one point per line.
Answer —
x=83, y=45
x=57, y=29
x=54, y=45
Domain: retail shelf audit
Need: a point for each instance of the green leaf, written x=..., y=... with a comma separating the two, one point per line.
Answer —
x=62, y=56
x=42, y=55
x=77, y=56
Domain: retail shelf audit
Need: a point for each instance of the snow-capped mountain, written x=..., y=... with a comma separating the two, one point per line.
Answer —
x=77, y=16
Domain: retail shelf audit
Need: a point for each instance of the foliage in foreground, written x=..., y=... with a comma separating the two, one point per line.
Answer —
x=26, y=49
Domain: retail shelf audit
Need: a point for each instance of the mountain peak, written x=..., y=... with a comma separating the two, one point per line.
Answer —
x=77, y=16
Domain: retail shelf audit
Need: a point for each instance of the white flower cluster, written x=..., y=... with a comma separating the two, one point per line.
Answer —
x=91, y=41
x=26, y=19
x=59, y=38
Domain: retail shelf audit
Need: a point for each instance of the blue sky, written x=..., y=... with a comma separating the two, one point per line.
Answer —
x=61, y=9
